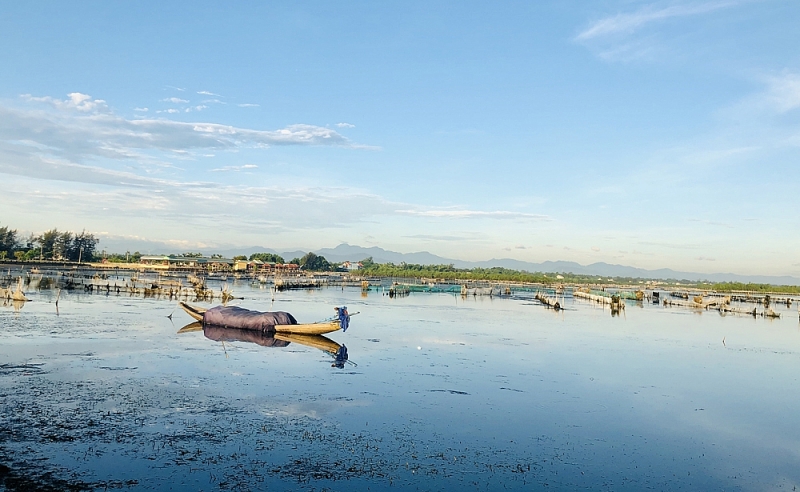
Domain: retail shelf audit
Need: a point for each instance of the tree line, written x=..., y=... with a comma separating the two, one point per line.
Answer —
x=50, y=245
x=450, y=272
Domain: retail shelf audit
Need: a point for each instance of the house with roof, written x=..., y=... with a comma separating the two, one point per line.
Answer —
x=352, y=266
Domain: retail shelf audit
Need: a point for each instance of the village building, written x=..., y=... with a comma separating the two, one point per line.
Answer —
x=264, y=267
x=352, y=265
x=190, y=262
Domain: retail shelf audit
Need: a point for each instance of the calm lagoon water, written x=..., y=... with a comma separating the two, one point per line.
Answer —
x=444, y=392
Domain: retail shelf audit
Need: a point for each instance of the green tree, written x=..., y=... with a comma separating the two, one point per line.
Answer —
x=315, y=263
x=295, y=261
x=83, y=247
x=45, y=243
x=367, y=262
x=267, y=257
x=239, y=257
x=8, y=240
x=62, y=245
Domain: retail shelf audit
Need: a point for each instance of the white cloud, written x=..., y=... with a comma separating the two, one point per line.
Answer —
x=248, y=105
x=141, y=110
x=196, y=210
x=213, y=101
x=473, y=214
x=115, y=131
x=630, y=22
x=345, y=125
x=783, y=92
x=235, y=168
x=206, y=93
x=77, y=101
x=434, y=237
x=61, y=139
x=175, y=100
x=169, y=111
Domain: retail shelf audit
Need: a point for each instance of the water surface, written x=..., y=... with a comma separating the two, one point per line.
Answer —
x=477, y=393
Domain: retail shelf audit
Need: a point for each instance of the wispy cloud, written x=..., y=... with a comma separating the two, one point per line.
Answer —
x=345, y=125
x=473, y=214
x=59, y=139
x=207, y=93
x=235, y=168
x=433, y=237
x=76, y=101
x=141, y=110
x=670, y=245
x=105, y=129
x=199, y=209
x=175, y=100
x=712, y=223
x=248, y=105
x=783, y=92
x=630, y=22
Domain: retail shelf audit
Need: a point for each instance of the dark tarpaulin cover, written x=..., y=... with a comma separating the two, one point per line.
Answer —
x=236, y=317
x=221, y=334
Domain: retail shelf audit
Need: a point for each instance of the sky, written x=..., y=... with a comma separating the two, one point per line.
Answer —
x=655, y=134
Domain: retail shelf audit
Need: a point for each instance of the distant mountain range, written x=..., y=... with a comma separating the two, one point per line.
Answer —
x=347, y=252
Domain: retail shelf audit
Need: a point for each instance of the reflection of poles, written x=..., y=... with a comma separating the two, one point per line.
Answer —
x=80, y=255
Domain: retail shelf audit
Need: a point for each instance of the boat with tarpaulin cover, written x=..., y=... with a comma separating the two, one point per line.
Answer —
x=277, y=321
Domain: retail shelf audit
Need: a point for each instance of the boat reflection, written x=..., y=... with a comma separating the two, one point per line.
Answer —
x=16, y=304
x=222, y=334
x=271, y=339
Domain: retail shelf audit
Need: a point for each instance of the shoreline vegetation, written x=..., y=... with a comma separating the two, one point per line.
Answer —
x=68, y=248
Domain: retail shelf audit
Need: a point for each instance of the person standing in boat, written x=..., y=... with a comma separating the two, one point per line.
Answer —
x=343, y=316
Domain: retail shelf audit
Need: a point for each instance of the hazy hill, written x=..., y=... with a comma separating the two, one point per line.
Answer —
x=345, y=252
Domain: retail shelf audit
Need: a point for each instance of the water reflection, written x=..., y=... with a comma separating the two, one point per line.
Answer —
x=271, y=339
x=222, y=334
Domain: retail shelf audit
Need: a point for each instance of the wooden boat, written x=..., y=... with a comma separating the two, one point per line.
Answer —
x=319, y=328
x=193, y=311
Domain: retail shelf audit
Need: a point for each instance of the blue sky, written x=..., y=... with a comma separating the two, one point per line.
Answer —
x=652, y=134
